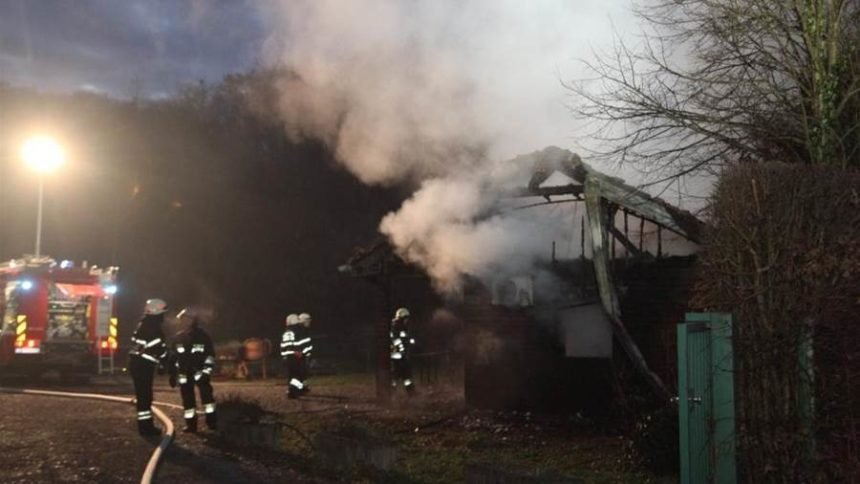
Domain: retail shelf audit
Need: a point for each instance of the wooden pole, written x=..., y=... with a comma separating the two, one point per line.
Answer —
x=383, y=360
x=626, y=233
x=582, y=236
x=628, y=246
x=613, y=241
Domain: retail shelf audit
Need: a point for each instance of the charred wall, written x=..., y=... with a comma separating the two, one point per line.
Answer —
x=516, y=363
x=655, y=297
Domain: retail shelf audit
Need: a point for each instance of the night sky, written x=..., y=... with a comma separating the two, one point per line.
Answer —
x=126, y=48
x=161, y=188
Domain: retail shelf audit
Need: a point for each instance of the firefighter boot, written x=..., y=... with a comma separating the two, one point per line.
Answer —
x=190, y=425
x=146, y=428
x=295, y=389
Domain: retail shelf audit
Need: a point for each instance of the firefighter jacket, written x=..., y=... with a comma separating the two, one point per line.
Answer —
x=193, y=355
x=296, y=341
x=401, y=341
x=148, y=340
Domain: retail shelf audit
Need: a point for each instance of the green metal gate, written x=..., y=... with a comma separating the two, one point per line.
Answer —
x=706, y=404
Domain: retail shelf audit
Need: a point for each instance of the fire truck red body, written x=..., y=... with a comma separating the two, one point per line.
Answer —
x=56, y=315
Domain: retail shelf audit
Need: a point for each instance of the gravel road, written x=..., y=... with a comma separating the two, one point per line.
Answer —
x=49, y=439
x=52, y=439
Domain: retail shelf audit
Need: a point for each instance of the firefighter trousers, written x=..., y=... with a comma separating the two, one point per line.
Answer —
x=297, y=374
x=142, y=373
x=401, y=370
x=189, y=403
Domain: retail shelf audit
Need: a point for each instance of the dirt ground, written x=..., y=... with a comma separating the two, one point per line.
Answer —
x=435, y=436
x=434, y=433
x=52, y=439
x=49, y=439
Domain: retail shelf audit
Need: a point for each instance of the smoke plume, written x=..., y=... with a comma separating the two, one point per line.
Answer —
x=437, y=93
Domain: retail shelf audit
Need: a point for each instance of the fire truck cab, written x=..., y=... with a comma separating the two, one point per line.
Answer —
x=56, y=315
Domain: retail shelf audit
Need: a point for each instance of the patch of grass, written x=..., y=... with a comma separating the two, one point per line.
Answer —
x=441, y=456
x=362, y=379
x=233, y=406
x=449, y=437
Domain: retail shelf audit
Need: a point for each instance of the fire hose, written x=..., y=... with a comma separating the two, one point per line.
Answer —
x=169, y=432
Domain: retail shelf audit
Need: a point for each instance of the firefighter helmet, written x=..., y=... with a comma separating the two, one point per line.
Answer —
x=292, y=319
x=401, y=313
x=190, y=313
x=305, y=319
x=155, y=307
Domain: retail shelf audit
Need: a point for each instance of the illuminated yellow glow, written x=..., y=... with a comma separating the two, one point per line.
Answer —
x=43, y=154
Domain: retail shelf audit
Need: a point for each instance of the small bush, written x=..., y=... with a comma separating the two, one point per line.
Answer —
x=234, y=407
x=654, y=440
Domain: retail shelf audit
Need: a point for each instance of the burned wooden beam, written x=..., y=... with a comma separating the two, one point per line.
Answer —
x=626, y=231
x=610, y=222
x=582, y=236
x=553, y=159
x=649, y=208
x=546, y=192
x=549, y=160
x=630, y=246
x=383, y=348
x=632, y=349
x=598, y=220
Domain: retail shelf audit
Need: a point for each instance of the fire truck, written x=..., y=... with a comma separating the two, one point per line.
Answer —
x=56, y=316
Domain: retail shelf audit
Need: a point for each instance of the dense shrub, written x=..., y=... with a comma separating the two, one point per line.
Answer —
x=783, y=256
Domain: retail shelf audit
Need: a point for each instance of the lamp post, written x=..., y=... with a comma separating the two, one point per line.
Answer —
x=44, y=155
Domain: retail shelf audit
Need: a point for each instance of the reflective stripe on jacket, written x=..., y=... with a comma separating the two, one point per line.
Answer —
x=296, y=339
x=193, y=354
x=148, y=340
x=401, y=341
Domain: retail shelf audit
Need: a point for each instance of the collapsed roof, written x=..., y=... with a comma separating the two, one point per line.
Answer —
x=603, y=196
x=554, y=159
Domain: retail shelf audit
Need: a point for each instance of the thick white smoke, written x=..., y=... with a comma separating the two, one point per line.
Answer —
x=438, y=92
x=456, y=226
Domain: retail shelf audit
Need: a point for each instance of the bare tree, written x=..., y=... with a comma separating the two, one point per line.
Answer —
x=717, y=81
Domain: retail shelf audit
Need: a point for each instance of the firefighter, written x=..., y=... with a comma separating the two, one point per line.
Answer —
x=296, y=349
x=147, y=354
x=401, y=345
x=192, y=363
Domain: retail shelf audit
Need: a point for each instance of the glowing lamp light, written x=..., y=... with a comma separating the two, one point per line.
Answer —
x=26, y=285
x=43, y=154
x=110, y=289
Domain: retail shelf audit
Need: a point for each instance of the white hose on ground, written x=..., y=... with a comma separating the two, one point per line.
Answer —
x=152, y=465
x=166, y=439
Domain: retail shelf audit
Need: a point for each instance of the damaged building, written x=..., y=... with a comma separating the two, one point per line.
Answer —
x=550, y=339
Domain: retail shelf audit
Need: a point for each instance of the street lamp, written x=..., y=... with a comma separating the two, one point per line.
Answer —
x=44, y=155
